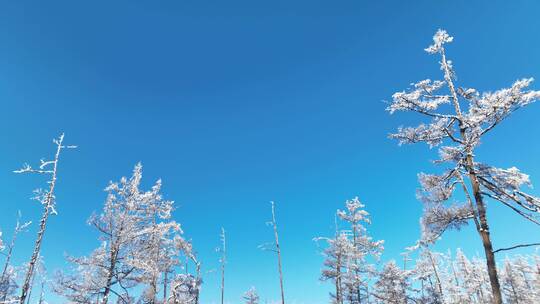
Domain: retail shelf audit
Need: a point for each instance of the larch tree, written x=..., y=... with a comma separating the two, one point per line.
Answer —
x=428, y=273
x=156, y=243
x=459, y=119
x=360, y=253
x=334, y=263
x=517, y=282
x=122, y=261
x=392, y=285
x=48, y=201
x=471, y=280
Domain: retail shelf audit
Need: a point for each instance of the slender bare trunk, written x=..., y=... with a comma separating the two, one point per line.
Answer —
x=278, y=251
x=48, y=203
x=30, y=290
x=437, y=277
x=223, y=261
x=37, y=247
x=198, y=280
x=42, y=293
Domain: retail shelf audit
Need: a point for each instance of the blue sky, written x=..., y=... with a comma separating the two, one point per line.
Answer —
x=236, y=103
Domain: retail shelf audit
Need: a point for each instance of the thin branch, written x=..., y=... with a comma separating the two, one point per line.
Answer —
x=516, y=246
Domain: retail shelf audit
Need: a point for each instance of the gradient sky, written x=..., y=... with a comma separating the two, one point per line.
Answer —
x=236, y=103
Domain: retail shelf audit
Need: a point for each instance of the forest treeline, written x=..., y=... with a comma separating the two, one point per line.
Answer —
x=143, y=256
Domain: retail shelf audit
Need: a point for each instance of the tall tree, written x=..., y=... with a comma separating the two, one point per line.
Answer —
x=48, y=201
x=275, y=248
x=460, y=117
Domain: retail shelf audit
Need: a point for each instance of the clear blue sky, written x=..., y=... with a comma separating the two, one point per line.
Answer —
x=236, y=103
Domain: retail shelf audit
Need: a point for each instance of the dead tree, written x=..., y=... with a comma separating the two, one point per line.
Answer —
x=48, y=201
x=275, y=247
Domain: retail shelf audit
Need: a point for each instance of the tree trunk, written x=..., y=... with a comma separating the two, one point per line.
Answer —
x=223, y=261
x=339, y=299
x=484, y=234
x=278, y=250
x=106, y=293
x=37, y=247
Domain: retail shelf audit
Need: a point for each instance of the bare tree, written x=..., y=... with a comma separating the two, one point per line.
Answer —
x=48, y=201
x=460, y=117
x=223, y=261
x=275, y=247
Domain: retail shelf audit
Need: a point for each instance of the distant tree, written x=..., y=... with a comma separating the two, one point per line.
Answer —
x=251, y=296
x=428, y=273
x=7, y=284
x=392, y=285
x=223, y=261
x=471, y=280
x=360, y=254
x=335, y=261
x=460, y=117
x=517, y=282
x=275, y=247
x=350, y=256
x=48, y=201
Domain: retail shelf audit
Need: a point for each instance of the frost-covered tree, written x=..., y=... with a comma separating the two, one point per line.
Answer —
x=392, y=285
x=517, y=282
x=360, y=254
x=158, y=241
x=127, y=255
x=459, y=119
x=7, y=284
x=467, y=280
x=48, y=200
x=251, y=296
x=350, y=256
x=427, y=272
x=185, y=289
x=335, y=261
